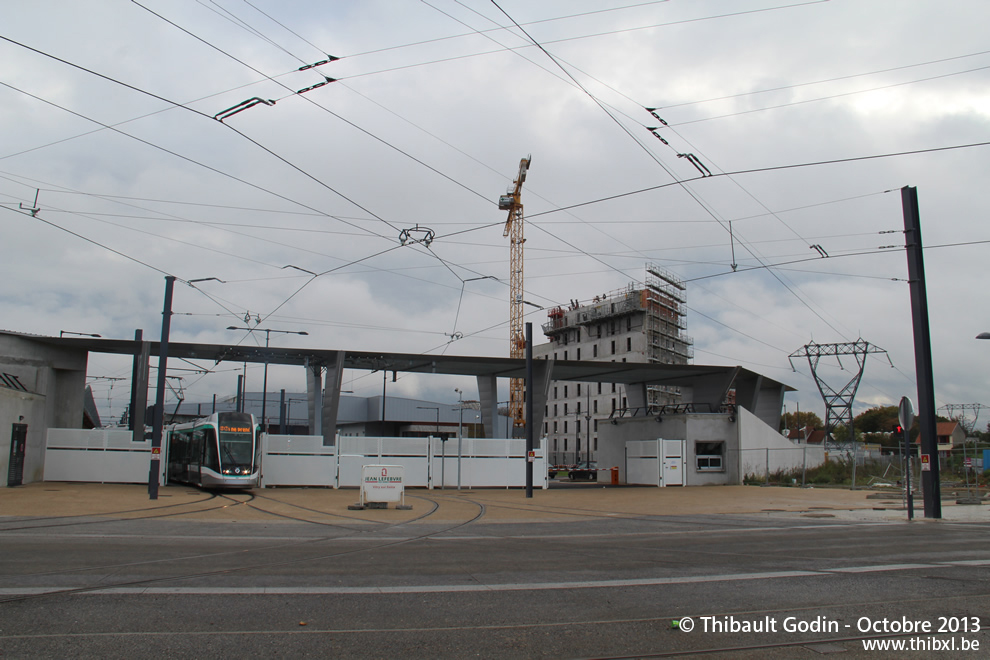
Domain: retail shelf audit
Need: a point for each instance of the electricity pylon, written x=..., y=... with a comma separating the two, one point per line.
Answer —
x=839, y=403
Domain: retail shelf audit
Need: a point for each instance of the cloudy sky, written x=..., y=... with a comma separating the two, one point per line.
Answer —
x=809, y=115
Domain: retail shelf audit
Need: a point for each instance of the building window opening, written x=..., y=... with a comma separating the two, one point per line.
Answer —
x=709, y=456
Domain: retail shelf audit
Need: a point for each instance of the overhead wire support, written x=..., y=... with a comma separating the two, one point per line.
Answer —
x=705, y=172
x=408, y=236
x=512, y=202
x=34, y=209
x=240, y=107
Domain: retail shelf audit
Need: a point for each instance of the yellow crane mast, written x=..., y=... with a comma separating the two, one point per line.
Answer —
x=512, y=202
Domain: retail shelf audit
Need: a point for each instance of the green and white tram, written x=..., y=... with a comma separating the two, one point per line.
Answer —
x=219, y=451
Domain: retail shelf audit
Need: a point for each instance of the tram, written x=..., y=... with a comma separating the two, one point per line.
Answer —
x=219, y=451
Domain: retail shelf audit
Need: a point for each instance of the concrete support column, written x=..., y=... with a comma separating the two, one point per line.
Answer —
x=488, y=395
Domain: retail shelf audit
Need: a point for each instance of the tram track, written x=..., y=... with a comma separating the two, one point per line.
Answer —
x=101, y=517
x=247, y=567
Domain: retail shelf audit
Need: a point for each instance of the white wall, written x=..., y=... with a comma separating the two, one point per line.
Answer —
x=762, y=447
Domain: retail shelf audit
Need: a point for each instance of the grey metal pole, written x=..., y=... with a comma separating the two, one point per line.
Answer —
x=922, y=352
x=135, y=372
x=529, y=409
x=264, y=387
x=907, y=473
x=156, y=437
x=460, y=437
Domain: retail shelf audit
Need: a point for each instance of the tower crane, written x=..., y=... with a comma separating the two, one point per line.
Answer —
x=512, y=202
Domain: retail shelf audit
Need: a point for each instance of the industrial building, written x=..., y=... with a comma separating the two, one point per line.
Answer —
x=287, y=413
x=641, y=324
x=723, y=428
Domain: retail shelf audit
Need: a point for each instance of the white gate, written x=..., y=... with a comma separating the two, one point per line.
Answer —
x=673, y=463
x=655, y=462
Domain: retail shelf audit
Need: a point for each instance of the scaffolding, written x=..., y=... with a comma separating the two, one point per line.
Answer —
x=662, y=301
x=666, y=306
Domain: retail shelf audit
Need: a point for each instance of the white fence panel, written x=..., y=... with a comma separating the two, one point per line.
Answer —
x=486, y=463
x=110, y=456
x=297, y=460
x=97, y=455
x=643, y=462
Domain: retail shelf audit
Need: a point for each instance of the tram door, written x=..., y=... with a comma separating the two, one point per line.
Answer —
x=18, y=444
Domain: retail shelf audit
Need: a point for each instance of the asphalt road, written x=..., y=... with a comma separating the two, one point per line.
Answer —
x=450, y=583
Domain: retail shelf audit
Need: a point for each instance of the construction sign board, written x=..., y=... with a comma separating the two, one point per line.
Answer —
x=382, y=483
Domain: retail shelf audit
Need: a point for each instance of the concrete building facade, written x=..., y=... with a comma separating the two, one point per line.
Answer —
x=41, y=386
x=642, y=323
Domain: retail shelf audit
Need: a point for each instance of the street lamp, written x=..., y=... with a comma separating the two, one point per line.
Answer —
x=264, y=386
x=62, y=333
x=983, y=335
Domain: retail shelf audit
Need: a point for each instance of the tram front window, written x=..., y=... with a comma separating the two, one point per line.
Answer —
x=236, y=448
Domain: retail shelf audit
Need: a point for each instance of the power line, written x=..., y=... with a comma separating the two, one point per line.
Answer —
x=690, y=192
x=757, y=170
x=823, y=81
x=88, y=240
x=825, y=98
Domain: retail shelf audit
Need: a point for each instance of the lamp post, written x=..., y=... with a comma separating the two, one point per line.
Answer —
x=264, y=386
x=62, y=333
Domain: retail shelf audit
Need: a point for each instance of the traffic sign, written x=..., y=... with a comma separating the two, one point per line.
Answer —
x=905, y=412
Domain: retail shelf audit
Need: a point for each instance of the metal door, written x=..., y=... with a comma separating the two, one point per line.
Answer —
x=673, y=462
x=18, y=443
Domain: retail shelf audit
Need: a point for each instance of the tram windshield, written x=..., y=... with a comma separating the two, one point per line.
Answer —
x=236, y=439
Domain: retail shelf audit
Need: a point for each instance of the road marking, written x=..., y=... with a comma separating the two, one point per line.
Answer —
x=494, y=587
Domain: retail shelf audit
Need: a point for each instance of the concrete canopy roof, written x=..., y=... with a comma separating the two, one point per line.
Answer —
x=679, y=375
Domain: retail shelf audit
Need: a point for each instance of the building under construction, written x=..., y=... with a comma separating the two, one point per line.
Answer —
x=639, y=323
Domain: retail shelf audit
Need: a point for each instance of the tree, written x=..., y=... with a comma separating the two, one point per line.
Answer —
x=880, y=419
x=799, y=420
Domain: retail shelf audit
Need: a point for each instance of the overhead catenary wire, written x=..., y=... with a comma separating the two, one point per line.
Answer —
x=705, y=206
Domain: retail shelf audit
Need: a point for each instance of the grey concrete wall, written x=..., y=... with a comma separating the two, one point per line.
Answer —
x=19, y=408
x=710, y=428
x=56, y=382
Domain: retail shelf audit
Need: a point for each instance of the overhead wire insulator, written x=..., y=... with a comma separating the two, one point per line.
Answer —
x=653, y=111
x=321, y=84
x=654, y=130
x=330, y=58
